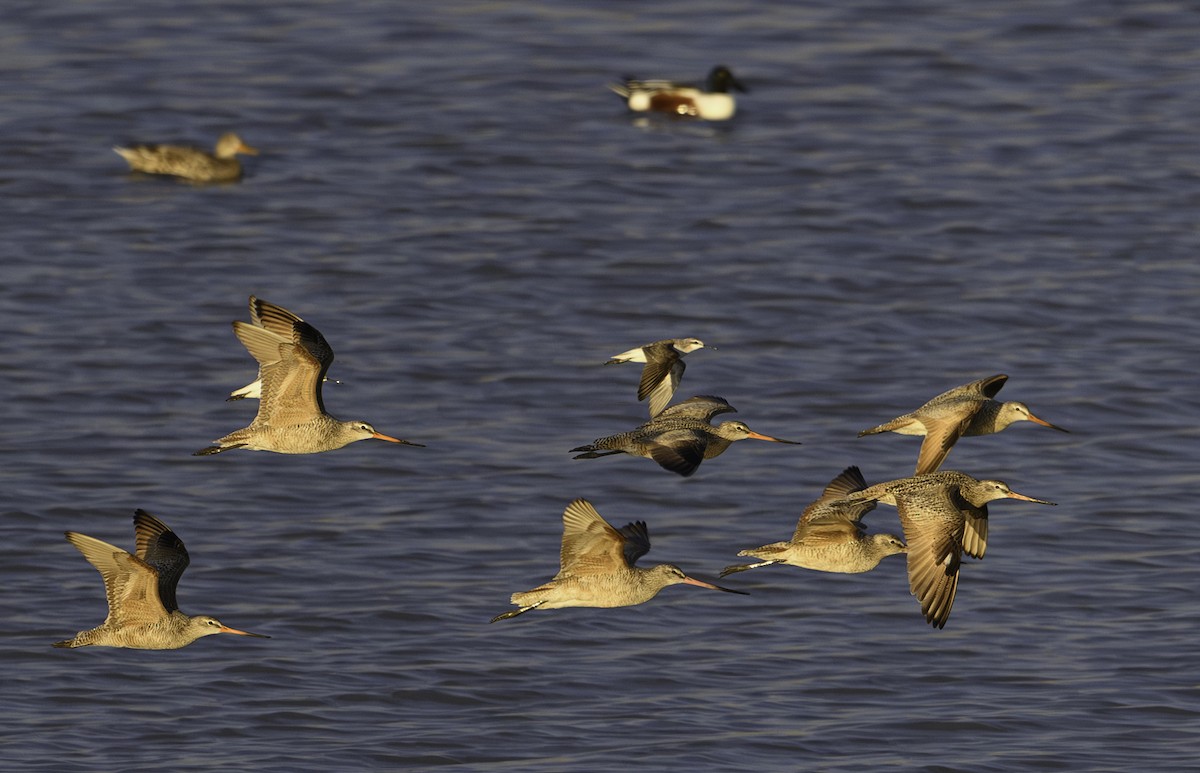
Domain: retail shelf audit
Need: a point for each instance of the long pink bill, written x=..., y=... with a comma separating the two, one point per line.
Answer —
x=760, y=436
x=1045, y=423
x=1023, y=498
x=709, y=585
x=390, y=439
x=227, y=629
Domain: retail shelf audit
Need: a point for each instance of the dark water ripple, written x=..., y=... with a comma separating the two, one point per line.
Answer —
x=913, y=195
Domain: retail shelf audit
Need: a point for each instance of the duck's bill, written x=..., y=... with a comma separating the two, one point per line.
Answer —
x=710, y=586
x=390, y=439
x=247, y=150
x=1045, y=423
x=760, y=436
x=1023, y=498
x=227, y=629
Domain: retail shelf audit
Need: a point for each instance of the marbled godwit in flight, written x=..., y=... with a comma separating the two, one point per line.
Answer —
x=663, y=370
x=944, y=514
x=291, y=415
x=680, y=437
x=711, y=103
x=142, y=612
x=966, y=410
x=830, y=535
x=190, y=163
x=596, y=567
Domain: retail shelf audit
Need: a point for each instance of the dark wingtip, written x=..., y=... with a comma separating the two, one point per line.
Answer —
x=992, y=386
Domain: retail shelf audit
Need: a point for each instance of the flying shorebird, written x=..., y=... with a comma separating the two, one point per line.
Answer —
x=291, y=416
x=966, y=410
x=663, y=370
x=830, y=535
x=142, y=612
x=944, y=514
x=680, y=437
x=711, y=103
x=596, y=567
x=190, y=163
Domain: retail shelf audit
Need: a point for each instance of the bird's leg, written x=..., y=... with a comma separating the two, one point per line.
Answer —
x=515, y=612
x=216, y=449
x=594, y=454
x=744, y=567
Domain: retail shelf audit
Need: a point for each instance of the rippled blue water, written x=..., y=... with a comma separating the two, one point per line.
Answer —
x=914, y=195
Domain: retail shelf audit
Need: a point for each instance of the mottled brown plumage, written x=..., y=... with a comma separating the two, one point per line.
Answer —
x=291, y=415
x=190, y=163
x=596, y=567
x=944, y=514
x=830, y=535
x=663, y=368
x=142, y=610
x=680, y=437
x=966, y=410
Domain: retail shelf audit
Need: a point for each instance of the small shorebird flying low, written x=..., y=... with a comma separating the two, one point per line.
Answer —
x=711, y=103
x=596, y=567
x=291, y=416
x=680, y=437
x=966, y=410
x=190, y=163
x=142, y=612
x=944, y=514
x=664, y=368
x=830, y=535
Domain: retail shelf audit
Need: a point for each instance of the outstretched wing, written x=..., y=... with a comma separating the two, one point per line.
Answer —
x=163, y=551
x=660, y=376
x=589, y=544
x=679, y=451
x=637, y=541
x=283, y=322
x=933, y=529
x=832, y=516
x=702, y=407
x=130, y=584
x=291, y=375
x=989, y=387
x=941, y=433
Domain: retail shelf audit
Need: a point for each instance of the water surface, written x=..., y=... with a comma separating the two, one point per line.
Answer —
x=914, y=195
